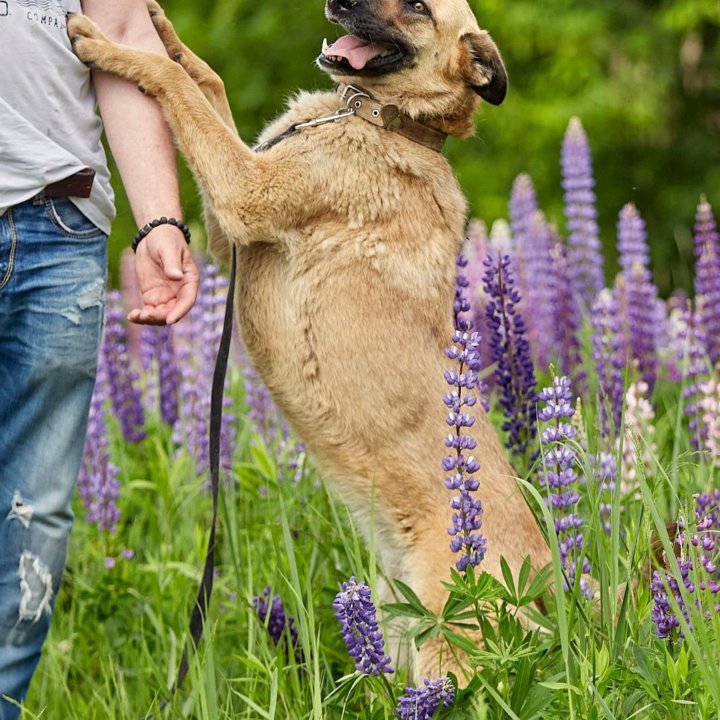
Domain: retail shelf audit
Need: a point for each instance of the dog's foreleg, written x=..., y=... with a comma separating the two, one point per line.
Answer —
x=209, y=82
x=253, y=196
x=213, y=88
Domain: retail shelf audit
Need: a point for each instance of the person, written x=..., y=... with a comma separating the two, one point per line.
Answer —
x=56, y=207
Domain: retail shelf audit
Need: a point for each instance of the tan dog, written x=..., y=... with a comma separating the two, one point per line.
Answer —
x=347, y=233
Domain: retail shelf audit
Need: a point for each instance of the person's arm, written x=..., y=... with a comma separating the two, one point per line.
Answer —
x=142, y=146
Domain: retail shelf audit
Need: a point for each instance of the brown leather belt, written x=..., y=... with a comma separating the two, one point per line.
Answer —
x=77, y=185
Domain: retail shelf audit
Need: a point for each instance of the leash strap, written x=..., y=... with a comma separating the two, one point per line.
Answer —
x=197, y=619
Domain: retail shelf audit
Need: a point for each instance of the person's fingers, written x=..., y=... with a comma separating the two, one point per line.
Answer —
x=149, y=315
x=188, y=290
x=171, y=261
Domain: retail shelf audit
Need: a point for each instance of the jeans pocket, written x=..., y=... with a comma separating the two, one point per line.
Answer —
x=8, y=245
x=68, y=219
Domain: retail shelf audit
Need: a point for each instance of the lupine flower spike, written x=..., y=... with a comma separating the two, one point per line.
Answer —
x=421, y=703
x=198, y=339
x=566, y=314
x=97, y=482
x=707, y=278
x=637, y=295
x=124, y=393
x=707, y=575
x=159, y=361
x=557, y=475
x=697, y=372
x=354, y=609
x=271, y=612
x=522, y=206
x=514, y=374
x=585, y=255
x=609, y=357
x=467, y=509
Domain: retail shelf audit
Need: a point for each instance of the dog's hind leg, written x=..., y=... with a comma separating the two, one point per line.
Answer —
x=211, y=84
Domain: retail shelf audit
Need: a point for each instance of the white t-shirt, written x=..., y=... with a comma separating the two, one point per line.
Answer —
x=48, y=125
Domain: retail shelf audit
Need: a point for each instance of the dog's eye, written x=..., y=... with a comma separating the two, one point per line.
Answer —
x=419, y=7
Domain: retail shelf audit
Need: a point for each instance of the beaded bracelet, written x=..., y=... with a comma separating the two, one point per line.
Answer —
x=145, y=229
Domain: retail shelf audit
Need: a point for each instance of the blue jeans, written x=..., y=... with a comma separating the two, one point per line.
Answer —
x=52, y=299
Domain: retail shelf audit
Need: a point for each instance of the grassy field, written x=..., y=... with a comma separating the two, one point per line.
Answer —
x=119, y=632
x=631, y=627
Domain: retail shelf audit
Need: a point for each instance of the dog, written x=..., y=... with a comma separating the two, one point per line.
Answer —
x=347, y=221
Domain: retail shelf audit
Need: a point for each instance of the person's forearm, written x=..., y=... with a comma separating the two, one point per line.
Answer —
x=138, y=136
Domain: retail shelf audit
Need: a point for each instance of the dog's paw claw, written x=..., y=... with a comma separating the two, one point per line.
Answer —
x=153, y=8
x=178, y=57
x=142, y=89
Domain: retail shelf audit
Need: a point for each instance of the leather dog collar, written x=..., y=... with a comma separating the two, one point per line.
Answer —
x=360, y=103
x=389, y=117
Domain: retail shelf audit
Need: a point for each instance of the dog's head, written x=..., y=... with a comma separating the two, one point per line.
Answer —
x=427, y=56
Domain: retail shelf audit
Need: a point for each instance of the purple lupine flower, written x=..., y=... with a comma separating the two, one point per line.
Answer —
x=522, y=207
x=268, y=422
x=500, y=240
x=190, y=430
x=132, y=296
x=709, y=411
x=638, y=303
x=707, y=277
x=272, y=615
x=605, y=467
x=707, y=510
x=632, y=240
x=639, y=423
x=585, y=256
x=696, y=372
x=673, y=351
x=261, y=409
x=566, y=314
x=609, y=357
x=157, y=350
x=514, y=373
x=541, y=290
x=557, y=475
x=636, y=294
x=354, y=609
x=467, y=509
x=475, y=249
x=124, y=394
x=197, y=338
x=663, y=615
x=705, y=542
x=421, y=703
x=98, y=485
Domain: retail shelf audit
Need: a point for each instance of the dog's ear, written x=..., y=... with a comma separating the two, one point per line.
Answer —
x=483, y=67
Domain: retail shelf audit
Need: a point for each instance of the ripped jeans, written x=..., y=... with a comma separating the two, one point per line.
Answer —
x=52, y=297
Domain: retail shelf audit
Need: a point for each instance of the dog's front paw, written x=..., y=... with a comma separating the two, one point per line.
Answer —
x=166, y=31
x=88, y=42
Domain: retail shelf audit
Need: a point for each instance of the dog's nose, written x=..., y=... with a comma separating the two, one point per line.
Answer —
x=337, y=6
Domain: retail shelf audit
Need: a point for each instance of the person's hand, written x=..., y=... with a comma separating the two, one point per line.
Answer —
x=167, y=275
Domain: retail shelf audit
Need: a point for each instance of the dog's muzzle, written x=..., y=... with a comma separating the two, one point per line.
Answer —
x=338, y=7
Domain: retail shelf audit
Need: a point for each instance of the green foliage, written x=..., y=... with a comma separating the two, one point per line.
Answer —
x=118, y=633
x=644, y=77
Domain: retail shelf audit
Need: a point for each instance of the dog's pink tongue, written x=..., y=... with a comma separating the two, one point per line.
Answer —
x=356, y=51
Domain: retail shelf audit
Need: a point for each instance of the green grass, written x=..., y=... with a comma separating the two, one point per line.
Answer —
x=118, y=634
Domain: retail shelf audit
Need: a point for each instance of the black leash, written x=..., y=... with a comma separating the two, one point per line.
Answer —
x=197, y=618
